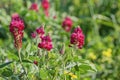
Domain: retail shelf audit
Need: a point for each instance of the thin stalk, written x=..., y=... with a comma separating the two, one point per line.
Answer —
x=19, y=55
x=64, y=62
x=37, y=42
x=64, y=69
x=56, y=72
x=22, y=63
x=15, y=69
x=47, y=59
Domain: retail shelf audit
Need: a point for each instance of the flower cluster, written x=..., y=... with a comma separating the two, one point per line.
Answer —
x=16, y=28
x=34, y=7
x=67, y=24
x=77, y=37
x=45, y=5
x=46, y=42
x=40, y=31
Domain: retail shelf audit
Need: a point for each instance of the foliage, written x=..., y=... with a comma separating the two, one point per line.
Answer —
x=100, y=22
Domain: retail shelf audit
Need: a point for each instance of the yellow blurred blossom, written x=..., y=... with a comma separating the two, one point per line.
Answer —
x=107, y=53
x=92, y=56
x=73, y=76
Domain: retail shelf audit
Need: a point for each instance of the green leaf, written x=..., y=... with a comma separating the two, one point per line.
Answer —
x=28, y=47
x=93, y=67
x=85, y=67
x=15, y=77
x=7, y=72
x=27, y=61
x=5, y=64
x=71, y=65
x=43, y=74
x=12, y=56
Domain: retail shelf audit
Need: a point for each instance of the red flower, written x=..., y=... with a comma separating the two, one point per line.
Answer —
x=46, y=43
x=40, y=31
x=15, y=16
x=35, y=62
x=34, y=7
x=33, y=35
x=77, y=37
x=16, y=25
x=67, y=24
x=46, y=38
x=16, y=28
x=45, y=4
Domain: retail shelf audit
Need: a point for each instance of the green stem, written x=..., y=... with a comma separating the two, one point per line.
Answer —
x=22, y=63
x=47, y=59
x=56, y=72
x=64, y=69
x=19, y=55
x=15, y=69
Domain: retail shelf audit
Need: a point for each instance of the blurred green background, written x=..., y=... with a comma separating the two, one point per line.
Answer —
x=99, y=19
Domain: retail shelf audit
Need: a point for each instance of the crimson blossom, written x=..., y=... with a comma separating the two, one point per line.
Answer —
x=45, y=5
x=35, y=62
x=77, y=37
x=46, y=43
x=40, y=31
x=67, y=24
x=16, y=28
x=34, y=7
x=33, y=35
x=45, y=40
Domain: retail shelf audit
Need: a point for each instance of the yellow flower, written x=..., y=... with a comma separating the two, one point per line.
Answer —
x=107, y=53
x=73, y=76
x=92, y=56
x=70, y=74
